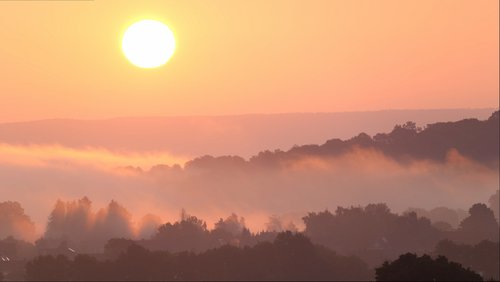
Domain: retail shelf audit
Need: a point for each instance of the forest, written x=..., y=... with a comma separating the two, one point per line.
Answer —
x=351, y=242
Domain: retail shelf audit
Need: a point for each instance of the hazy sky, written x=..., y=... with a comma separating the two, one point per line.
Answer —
x=64, y=59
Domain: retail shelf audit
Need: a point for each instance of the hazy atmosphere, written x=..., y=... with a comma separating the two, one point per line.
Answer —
x=249, y=140
x=144, y=183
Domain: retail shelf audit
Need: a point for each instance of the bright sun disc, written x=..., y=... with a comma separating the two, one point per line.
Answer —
x=148, y=44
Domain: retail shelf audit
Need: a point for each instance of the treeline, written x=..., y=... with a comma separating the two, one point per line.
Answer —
x=372, y=233
x=291, y=256
x=482, y=257
x=75, y=225
x=474, y=139
x=375, y=233
x=288, y=257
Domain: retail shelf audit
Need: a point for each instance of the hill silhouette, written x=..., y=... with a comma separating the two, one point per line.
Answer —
x=474, y=139
x=192, y=136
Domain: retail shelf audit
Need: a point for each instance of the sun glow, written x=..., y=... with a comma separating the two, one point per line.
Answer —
x=148, y=44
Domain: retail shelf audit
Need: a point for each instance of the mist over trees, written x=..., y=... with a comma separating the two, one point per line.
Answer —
x=472, y=138
x=286, y=182
x=14, y=222
x=351, y=242
x=372, y=232
x=409, y=162
x=345, y=245
x=75, y=223
x=441, y=217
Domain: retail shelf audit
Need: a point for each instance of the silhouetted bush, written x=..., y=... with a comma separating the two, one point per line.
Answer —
x=410, y=267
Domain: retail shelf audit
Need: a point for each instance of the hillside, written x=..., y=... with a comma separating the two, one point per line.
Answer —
x=243, y=135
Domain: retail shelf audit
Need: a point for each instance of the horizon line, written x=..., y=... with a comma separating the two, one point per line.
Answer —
x=239, y=115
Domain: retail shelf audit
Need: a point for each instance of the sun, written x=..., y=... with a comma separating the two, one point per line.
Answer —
x=148, y=44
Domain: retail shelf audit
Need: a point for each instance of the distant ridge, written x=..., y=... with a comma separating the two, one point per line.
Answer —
x=243, y=135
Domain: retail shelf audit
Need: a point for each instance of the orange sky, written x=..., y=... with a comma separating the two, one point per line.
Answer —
x=63, y=59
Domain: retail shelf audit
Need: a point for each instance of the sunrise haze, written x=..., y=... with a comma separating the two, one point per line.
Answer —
x=172, y=140
x=64, y=60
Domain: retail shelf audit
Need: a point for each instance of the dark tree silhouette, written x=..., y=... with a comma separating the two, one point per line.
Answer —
x=483, y=257
x=480, y=225
x=189, y=234
x=16, y=249
x=85, y=268
x=441, y=214
x=372, y=232
x=48, y=268
x=116, y=247
x=289, y=257
x=410, y=267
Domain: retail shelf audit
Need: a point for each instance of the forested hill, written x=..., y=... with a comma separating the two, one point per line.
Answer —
x=192, y=136
x=474, y=139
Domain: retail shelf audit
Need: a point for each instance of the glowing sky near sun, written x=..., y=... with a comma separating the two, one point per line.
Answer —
x=63, y=59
